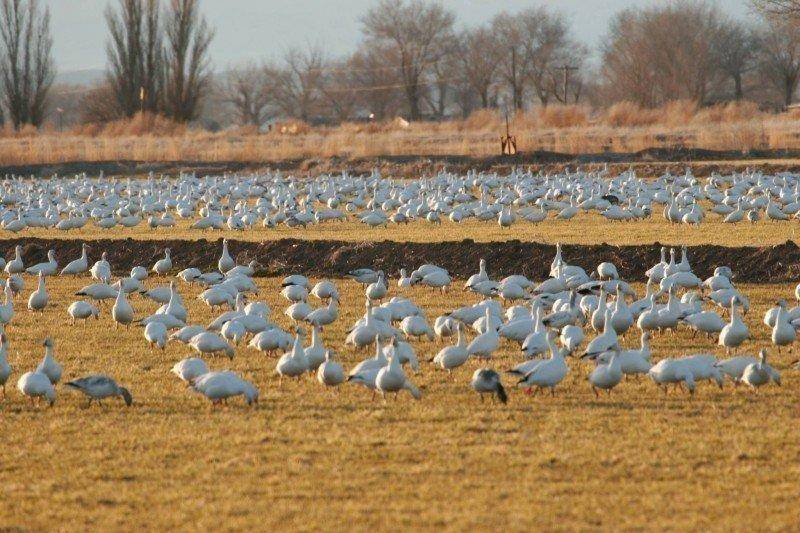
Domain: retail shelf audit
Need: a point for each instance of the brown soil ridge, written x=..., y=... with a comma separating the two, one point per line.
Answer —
x=770, y=264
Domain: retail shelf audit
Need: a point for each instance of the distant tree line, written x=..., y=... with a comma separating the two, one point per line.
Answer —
x=413, y=60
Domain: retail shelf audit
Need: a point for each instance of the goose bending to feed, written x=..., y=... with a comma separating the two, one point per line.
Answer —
x=49, y=366
x=189, y=369
x=209, y=343
x=330, y=373
x=82, y=310
x=760, y=373
x=99, y=387
x=38, y=299
x=675, y=371
x=219, y=386
x=487, y=381
x=155, y=333
x=37, y=385
x=79, y=265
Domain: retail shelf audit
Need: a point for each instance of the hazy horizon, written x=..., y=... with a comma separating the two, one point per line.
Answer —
x=263, y=29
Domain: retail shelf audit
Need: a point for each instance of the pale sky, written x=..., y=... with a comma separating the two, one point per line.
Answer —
x=256, y=29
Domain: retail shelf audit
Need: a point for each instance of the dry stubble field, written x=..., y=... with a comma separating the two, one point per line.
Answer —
x=307, y=458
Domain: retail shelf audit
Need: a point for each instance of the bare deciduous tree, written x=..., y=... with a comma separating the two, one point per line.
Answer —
x=247, y=90
x=135, y=56
x=414, y=31
x=479, y=62
x=737, y=52
x=188, y=37
x=26, y=63
x=780, y=57
x=375, y=80
x=297, y=88
x=778, y=7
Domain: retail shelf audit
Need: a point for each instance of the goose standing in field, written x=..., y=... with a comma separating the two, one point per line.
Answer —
x=225, y=262
x=82, y=310
x=293, y=363
x=454, y=356
x=100, y=387
x=325, y=290
x=37, y=385
x=675, y=371
x=757, y=374
x=49, y=366
x=392, y=378
x=605, y=341
x=485, y=344
x=487, y=381
x=315, y=352
x=324, y=316
x=783, y=333
x=122, y=311
x=480, y=277
x=79, y=265
x=7, y=309
x=634, y=362
x=139, y=273
x=101, y=270
x=548, y=374
x=163, y=266
x=16, y=265
x=5, y=367
x=189, y=369
x=405, y=280
x=377, y=291
x=735, y=332
x=38, y=299
x=608, y=372
x=735, y=366
x=48, y=268
x=219, y=386
x=330, y=373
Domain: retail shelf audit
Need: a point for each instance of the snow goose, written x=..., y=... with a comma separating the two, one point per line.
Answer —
x=735, y=332
x=98, y=291
x=189, y=369
x=101, y=270
x=315, y=352
x=487, y=381
x=444, y=326
x=377, y=291
x=155, y=333
x=525, y=367
x=479, y=277
x=100, y=387
x=186, y=333
x=271, y=340
x=485, y=344
x=608, y=373
x=365, y=276
x=225, y=262
x=603, y=342
x=16, y=265
x=783, y=333
x=174, y=305
x=5, y=367
x=122, y=311
x=209, y=343
x=37, y=385
x=392, y=378
x=234, y=331
x=293, y=363
x=703, y=368
x=139, y=273
x=81, y=310
x=325, y=290
x=39, y=298
x=7, y=309
x=416, y=326
x=669, y=371
x=548, y=374
x=405, y=280
x=324, y=316
x=634, y=362
x=219, y=386
x=451, y=357
x=49, y=366
x=760, y=373
x=295, y=293
x=77, y=266
x=163, y=266
x=330, y=373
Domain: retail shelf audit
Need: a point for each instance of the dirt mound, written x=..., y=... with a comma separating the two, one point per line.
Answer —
x=772, y=264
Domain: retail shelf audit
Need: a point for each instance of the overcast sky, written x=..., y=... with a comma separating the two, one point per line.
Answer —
x=254, y=29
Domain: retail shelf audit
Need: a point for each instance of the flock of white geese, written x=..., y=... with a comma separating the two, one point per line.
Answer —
x=571, y=313
x=236, y=202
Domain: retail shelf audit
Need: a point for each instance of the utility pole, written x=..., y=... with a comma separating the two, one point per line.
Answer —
x=567, y=69
x=514, y=77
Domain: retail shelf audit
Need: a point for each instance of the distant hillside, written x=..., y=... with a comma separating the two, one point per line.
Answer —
x=80, y=77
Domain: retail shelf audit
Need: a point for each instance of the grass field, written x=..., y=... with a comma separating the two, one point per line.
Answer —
x=307, y=458
x=585, y=228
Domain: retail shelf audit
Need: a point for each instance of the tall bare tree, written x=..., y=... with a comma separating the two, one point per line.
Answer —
x=247, y=90
x=375, y=81
x=778, y=7
x=737, y=52
x=413, y=30
x=26, y=63
x=479, y=57
x=135, y=56
x=188, y=74
x=780, y=57
x=298, y=82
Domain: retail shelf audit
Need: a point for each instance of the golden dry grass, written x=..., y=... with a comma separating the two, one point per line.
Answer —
x=624, y=127
x=583, y=229
x=306, y=458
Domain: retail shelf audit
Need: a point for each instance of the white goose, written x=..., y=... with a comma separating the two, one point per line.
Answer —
x=783, y=333
x=485, y=344
x=219, y=386
x=79, y=265
x=81, y=310
x=5, y=367
x=225, y=262
x=392, y=378
x=49, y=366
x=7, y=309
x=48, y=268
x=101, y=270
x=163, y=266
x=608, y=372
x=548, y=374
x=451, y=357
x=39, y=298
x=735, y=332
x=209, y=343
x=330, y=373
x=189, y=369
x=37, y=385
x=293, y=363
x=122, y=311
x=758, y=374
x=16, y=265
